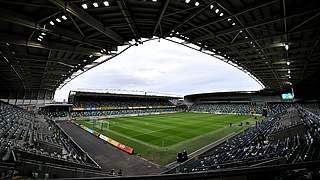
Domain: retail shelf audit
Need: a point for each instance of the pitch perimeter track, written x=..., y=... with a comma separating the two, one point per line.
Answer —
x=107, y=156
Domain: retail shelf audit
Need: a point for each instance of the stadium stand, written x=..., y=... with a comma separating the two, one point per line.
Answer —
x=288, y=138
x=120, y=104
x=37, y=146
x=249, y=108
x=104, y=104
x=223, y=108
x=121, y=112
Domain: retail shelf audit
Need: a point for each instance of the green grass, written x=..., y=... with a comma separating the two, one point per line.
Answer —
x=158, y=138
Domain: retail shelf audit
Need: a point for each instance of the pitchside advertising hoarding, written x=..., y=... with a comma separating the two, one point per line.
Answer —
x=115, y=143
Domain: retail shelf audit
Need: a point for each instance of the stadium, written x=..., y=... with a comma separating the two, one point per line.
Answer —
x=272, y=133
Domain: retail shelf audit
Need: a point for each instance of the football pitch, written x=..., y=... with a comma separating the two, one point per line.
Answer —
x=158, y=138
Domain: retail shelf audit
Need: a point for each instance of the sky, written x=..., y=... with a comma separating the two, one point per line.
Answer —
x=165, y=68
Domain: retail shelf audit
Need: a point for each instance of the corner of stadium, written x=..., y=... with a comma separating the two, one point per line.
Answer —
x=272, y=133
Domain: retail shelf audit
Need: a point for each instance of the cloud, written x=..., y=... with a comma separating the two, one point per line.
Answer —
x=162, y=67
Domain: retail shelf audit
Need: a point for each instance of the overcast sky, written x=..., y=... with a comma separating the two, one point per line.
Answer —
x=163, y=67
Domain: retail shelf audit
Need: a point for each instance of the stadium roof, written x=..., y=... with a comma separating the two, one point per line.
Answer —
x=233, y=93
x=85, y=94
x=44, y=44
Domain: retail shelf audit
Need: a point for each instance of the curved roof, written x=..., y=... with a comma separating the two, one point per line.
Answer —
x=44, y=43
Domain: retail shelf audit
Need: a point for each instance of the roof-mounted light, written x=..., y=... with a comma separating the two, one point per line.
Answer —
x=84, y=6
x=286, y=46
x=95, y=4
x=106, y=3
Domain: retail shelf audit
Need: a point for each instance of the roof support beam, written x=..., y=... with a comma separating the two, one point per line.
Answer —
x=180, y=11
x=309, y=58
x=127, y=16
x=235, y=37
x=22, y=20
x=165, y=6
x=279, y=35
x=45, y=69
x=283, y=61
x=252, y=25
x=305, y=21
x=190, y=17
x=40, y=59
x=285, y=20
x=255, y=55
x=88, y=19
x=76, y=25
x=28, y=4
x=16, y=72
x=22, y=41
x=251, y=8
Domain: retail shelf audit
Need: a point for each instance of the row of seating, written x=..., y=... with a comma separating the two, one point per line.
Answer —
x=290, y=137
x=121, y=112
x=249, y=108
x=121, y=104
x=25, y=136
x=238, y=108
